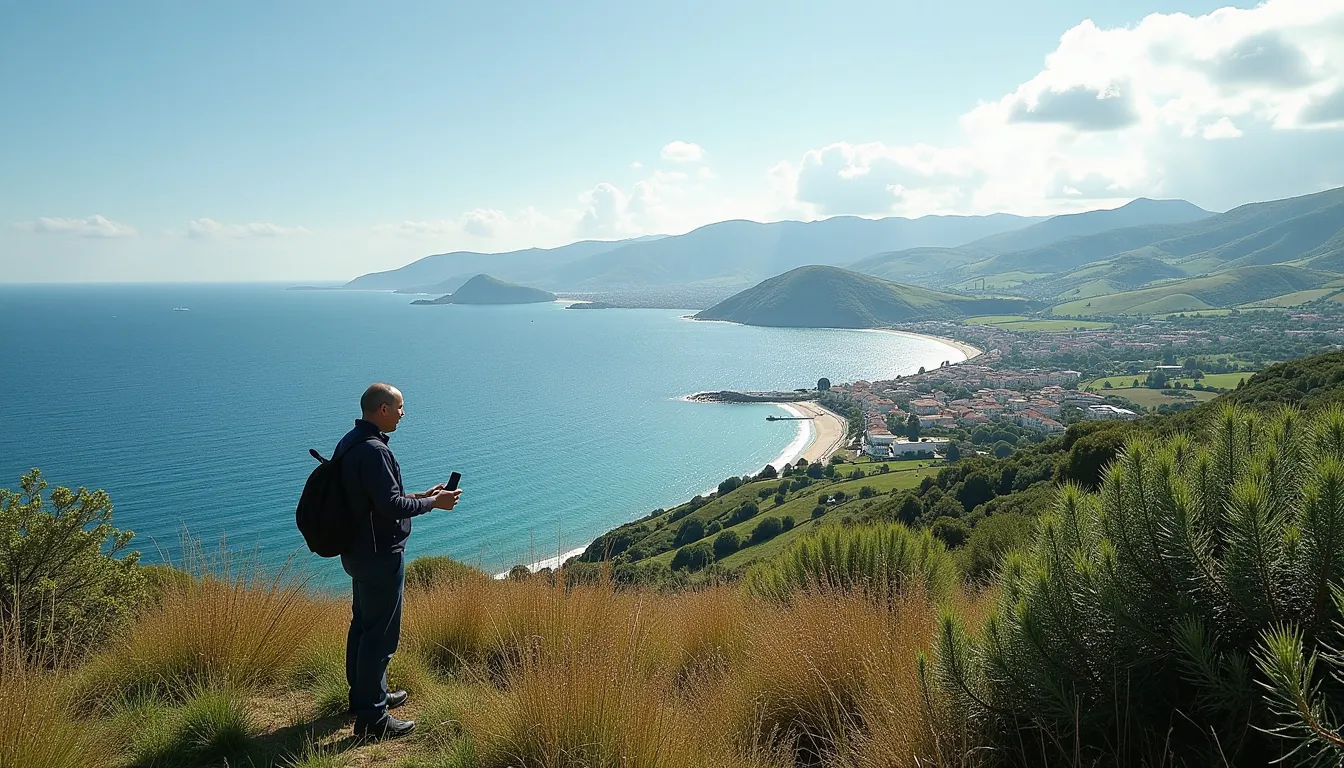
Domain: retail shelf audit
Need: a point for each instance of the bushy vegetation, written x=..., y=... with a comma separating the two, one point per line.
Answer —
x=1129, y=632
x=63, y=586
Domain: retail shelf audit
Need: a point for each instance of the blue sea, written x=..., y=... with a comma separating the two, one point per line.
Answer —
x=563, y=423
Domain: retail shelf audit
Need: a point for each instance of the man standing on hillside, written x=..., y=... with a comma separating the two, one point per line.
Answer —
x=382, y=512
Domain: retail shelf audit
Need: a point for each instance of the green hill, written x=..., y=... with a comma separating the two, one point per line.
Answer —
x=1258, y=233
x=1122, y=273
x=484, y=289
x=830, y=297
x=1224, y=289
x=913, y=262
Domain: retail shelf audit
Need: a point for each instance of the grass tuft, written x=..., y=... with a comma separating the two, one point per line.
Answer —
x=238, y=630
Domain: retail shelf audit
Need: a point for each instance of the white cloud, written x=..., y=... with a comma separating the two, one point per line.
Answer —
x=1326, y=108
x=209, y=228
x=605, y=212
x=526, y=227
x=94, y=226
x=483, y=222
x=1223, y=129
x=1078, y=107
x=683, y=152
x=636, y=165
x=1108, y=118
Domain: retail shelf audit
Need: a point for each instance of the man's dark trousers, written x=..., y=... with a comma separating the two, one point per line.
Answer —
x=375, y=629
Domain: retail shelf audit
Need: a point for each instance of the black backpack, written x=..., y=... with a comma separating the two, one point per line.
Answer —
x=323, y=516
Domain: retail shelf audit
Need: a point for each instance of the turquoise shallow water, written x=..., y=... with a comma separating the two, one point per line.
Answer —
x=563, y=423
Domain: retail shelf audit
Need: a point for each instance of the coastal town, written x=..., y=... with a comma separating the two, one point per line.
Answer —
x=1038, y=381
x=969, y=395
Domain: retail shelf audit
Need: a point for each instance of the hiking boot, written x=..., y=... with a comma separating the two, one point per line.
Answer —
x=394, y=699
x=388, y=728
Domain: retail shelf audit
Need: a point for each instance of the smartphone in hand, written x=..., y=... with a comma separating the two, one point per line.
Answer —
x=452, y=481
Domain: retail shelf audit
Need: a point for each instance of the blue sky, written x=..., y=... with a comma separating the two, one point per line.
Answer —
x=322, y=140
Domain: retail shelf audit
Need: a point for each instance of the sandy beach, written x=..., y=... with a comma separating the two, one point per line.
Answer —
x=829, y=430
x=960, y=346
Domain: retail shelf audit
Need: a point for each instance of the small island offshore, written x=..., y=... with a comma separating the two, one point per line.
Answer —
x=484, y=289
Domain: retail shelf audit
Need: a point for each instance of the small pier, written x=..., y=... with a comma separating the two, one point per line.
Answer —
x=789, y=418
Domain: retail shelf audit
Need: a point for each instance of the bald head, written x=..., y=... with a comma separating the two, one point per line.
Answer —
x=382, y=404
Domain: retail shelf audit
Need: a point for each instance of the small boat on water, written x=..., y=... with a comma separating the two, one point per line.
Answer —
x=181, y=309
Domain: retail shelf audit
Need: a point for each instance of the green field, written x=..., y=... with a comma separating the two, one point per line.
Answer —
x=993, y=319
x=1000, y=281
x=1219, y=380
x=799, y=506
x=1216, y=380
x=1196, y=313
x=1234, y=287
x=1293, y=299
x=1053, y=326
x=1026, y=325
x=1151, y=398
x=870, y=464
x=1117, y=382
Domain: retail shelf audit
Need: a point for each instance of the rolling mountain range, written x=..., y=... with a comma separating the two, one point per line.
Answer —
x=732, y=253
x=1169, y=254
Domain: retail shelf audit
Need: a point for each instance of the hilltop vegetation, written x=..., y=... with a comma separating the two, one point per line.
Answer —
x=829, y=297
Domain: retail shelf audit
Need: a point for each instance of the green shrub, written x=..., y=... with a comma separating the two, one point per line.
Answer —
x=693, y=557
x=950, y=531
x=215, y=723
x=885, y=558
x=725, y=544
x=690, y=531
x=63, y=587
x=1127, y=634
x=765, y=530
x=439, y=570
x=160, y=579
x=991, y=539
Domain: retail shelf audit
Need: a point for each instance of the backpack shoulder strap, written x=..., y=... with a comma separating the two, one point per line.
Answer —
x=337, y=456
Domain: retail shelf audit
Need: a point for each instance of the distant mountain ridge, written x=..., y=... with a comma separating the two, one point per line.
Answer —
x=731, y=253
x=1071, y=259
x=1294, y=228
x=830, y=297
x=924, y=261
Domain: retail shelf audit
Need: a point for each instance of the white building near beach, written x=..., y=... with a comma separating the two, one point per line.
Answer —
x=907, y=449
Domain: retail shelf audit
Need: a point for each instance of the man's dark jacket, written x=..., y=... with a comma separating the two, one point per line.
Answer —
x=378, y=503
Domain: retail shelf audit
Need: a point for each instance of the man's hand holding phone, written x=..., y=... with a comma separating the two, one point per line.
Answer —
x=445, y=496
x=446, y=500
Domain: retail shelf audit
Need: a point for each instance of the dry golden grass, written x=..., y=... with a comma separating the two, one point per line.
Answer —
x=590, y=678
x=236, y=630
x=595, y=677
x=832, y=676
x=534, y=674
x=38, y=728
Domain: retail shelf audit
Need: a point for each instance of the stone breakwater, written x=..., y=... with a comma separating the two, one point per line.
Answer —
x=728, y=396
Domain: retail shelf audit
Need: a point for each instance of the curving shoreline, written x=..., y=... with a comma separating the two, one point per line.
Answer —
x=961, y=346
x=828, y=432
